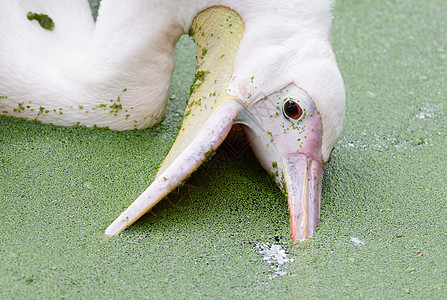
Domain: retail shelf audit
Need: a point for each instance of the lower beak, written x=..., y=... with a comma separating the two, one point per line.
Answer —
x=209, y=113
x=303, y=179
x=181, y=163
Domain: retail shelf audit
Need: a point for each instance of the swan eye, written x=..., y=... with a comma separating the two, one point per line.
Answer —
x=292, y=110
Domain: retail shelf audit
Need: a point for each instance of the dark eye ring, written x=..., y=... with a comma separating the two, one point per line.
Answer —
x=292, y=110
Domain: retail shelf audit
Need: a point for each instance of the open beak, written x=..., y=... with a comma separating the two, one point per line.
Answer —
x=289, y=148
x=298, y=172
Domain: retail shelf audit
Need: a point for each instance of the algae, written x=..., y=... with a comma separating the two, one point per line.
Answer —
x=61, y=186
x=44, y=20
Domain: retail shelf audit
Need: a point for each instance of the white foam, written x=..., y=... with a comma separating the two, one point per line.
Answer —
x=427, y=112
x=356, y=241
x=275, y=256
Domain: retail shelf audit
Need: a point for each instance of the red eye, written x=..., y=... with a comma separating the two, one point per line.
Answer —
x=292, y=110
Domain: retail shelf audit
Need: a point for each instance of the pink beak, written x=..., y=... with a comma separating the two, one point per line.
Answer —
x=303, y=177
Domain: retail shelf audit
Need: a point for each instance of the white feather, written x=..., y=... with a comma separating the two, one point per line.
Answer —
x=117, y=73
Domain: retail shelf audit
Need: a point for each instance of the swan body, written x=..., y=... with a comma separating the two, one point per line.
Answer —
x=79, y=71
x=116, y=74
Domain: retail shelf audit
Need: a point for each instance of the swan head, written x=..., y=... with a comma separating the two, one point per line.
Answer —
x=289, y=98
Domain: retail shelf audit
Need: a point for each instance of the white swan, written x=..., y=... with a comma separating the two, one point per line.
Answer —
x=268, y=65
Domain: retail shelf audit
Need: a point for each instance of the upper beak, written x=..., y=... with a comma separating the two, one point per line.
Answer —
x=303, y=177
x=292, y=152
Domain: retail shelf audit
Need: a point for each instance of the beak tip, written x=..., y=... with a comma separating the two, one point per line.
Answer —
x=297, y=238
x=117, y=226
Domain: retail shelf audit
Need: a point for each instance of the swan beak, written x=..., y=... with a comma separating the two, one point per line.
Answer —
x=290, y=148
x=187, y=154
x=291, y=153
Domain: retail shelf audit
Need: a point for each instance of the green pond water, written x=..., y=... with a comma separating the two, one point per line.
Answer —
x=383, y=230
